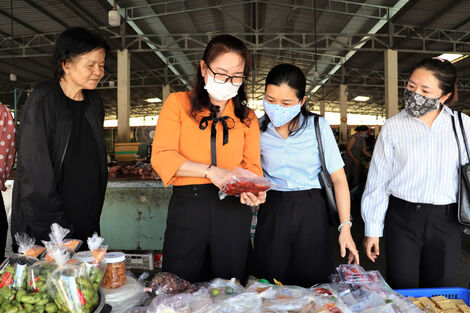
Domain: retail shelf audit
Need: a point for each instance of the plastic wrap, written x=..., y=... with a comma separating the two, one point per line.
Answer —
x=198, y=302
x=69, y=285
x=14, y=270
x=38, y=275
x=58, y=234
x=244, y=181
x=164, y=283
x=221, y=289
x=130, y=295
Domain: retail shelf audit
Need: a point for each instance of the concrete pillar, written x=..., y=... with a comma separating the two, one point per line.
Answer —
x=391, y=83
x=165, y=92
x=124, y=94
x=322, y=108
x=343, y=114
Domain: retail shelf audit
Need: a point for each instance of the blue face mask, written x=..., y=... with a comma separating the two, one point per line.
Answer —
x=363, y=135
x=279, y=114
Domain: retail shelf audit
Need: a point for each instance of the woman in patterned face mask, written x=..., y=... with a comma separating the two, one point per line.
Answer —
x=411, y=189
x=292, y=241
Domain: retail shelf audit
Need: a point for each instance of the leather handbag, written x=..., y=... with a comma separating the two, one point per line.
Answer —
x=325, y=180
x=463, y=194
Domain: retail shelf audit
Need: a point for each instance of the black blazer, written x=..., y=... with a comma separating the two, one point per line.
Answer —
x=41, y=143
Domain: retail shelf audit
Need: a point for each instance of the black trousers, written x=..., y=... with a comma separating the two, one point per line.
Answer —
x=206, y=237
x=3, y=228
x=292, y=240
x=423, y=244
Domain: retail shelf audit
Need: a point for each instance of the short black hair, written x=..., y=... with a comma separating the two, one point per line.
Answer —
x=73, y=42
x=361, y=128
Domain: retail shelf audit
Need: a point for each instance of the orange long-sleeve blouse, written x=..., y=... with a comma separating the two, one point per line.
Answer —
x=178, y=138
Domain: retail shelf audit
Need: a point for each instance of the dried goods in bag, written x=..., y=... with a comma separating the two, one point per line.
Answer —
x=244, y=181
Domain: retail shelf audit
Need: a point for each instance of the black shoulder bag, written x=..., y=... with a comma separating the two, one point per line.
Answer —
x=325, y=181
x=463, y=195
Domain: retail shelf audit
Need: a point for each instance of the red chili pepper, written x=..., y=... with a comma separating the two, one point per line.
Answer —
x=4, y=279
x=36, y=290
x=81, y=298
x=34, y=280
x=9, y=281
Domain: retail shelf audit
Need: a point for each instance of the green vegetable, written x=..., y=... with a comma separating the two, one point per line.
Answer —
x=215, y=292
x=229, y=291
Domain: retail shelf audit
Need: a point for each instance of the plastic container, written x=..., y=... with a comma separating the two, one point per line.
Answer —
x=450, y=293
x=115, y=274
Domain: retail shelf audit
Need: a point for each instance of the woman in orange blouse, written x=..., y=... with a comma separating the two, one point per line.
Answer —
x=202, y=135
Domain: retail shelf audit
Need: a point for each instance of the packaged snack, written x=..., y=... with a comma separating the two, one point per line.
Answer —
x=98, y=250
x=70, y=286
x=168, y=284
x=14, y=270
x=115, y=274
x=58, y=234
x=130, y=295
x=244, y=181
x=352, y=274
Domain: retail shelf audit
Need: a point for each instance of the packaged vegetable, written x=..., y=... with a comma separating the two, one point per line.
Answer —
x=38, y=274
x=14, y=270
x=244, y=181
x=70, y=285
x=130, y=295
x=221, y=289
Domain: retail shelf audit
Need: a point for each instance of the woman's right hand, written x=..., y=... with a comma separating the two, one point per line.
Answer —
x=219, y=176
x=371, y=247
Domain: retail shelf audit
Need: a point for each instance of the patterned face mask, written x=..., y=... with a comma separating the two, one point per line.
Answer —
x=279, y=114
x=417, y=105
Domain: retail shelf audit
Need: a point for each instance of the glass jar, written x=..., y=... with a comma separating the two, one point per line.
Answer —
x=115, y=274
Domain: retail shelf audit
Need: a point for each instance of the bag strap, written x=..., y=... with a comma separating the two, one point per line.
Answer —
x=319, y=141
x=457, y=139
x=462, y=129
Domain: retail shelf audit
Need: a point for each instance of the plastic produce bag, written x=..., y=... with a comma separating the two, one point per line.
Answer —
x=244, y=181
x=38, y=275
x=221, y=289
x=58, y=234
x=130, y=295
x=168, y=284
x=199, y=302
x=14, y=270
x=244, y=302
x=70, y=286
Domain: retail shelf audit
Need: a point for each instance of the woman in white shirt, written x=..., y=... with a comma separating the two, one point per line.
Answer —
x=412, y=184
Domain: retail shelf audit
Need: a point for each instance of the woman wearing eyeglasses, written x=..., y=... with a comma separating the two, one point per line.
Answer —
x=200, y=137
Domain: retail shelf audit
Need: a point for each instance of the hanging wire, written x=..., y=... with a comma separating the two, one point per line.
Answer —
x=315, y=29
x=11, y=17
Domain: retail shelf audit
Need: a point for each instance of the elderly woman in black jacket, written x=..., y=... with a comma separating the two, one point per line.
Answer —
x=61, y=173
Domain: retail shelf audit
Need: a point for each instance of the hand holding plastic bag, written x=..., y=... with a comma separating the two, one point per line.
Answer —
x=244, y=181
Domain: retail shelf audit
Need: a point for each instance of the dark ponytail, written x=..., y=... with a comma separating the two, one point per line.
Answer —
x=446, y=73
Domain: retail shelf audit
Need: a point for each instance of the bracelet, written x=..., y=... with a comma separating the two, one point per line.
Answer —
x=342, y=224
x=207, y=171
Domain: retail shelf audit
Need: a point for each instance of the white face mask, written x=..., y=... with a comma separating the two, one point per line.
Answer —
x=219, y=91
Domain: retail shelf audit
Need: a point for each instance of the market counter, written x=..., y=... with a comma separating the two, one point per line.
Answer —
x=133, y=217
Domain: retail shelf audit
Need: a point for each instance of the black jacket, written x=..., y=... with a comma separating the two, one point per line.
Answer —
x=41, y=142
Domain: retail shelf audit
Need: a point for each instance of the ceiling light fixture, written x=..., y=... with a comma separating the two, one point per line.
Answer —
x=153, y=100
x=361, y=98
x=114, y=18
x=452, y=57
x=13, y=77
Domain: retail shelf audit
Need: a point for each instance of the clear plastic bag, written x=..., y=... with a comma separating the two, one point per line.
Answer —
x=244, y=302
x=353, y=274
x=244, y=181
x=164, y=283
x=14, y=270
x=221, y=289
x=130, y=295
x=38, y=275
x=69, y=285
x=58, y=234
x=198, y=302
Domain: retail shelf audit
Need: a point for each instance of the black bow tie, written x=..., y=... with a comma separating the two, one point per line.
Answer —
x=223, y=120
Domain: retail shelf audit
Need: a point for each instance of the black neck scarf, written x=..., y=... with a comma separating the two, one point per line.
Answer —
x=223, y=120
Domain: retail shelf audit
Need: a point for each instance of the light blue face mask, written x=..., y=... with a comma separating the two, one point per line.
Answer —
x=279, y=114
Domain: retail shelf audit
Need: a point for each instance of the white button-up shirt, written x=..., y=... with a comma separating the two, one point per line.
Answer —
x=413, y=162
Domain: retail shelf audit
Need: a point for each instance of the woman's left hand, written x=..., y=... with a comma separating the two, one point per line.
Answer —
x=346, y=242
x=250, y=199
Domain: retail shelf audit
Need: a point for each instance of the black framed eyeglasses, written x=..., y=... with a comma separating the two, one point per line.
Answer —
x=223, y=78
